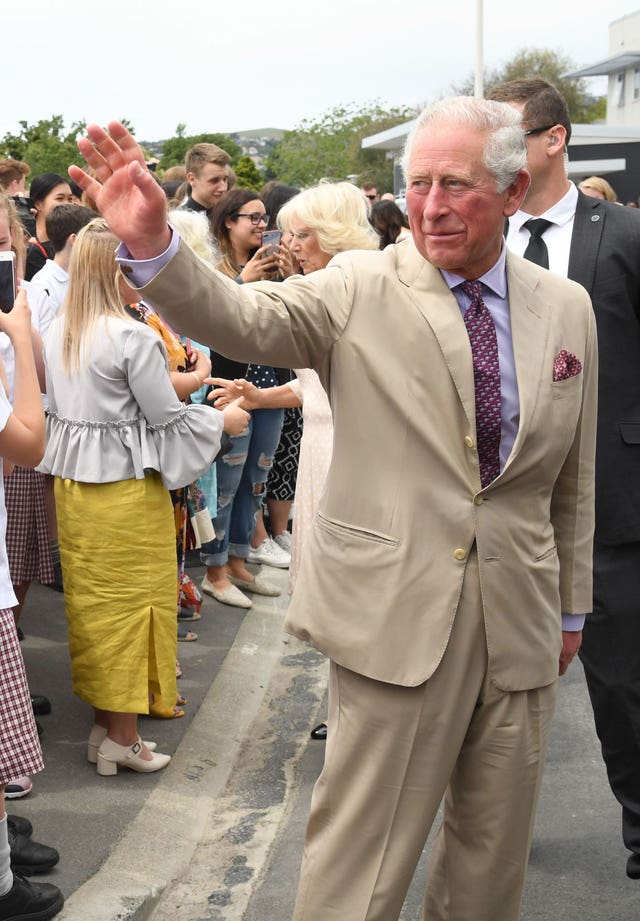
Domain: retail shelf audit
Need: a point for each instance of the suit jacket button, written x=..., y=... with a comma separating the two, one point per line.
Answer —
x=468, y=440
x=460, y=554
x=478, y=500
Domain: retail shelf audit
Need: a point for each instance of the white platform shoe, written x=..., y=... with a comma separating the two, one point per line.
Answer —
x=96, y=737
x=111, y=755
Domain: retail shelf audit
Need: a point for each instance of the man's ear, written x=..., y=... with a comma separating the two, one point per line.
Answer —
x=556, y=140
x=516, y=192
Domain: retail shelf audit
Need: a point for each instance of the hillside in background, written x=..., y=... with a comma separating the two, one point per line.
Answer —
x=273, y=134
x=259, y=140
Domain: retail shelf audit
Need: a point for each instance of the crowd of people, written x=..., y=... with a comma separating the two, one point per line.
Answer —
x=201, y=353
x=141, y=437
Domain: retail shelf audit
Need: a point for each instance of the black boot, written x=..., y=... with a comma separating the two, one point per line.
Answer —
x=32, y=901
x=29, y=857
x=19, y=825
x=41, y=704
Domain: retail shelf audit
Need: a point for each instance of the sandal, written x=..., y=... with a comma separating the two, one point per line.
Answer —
x=178, y=669
x=160, y=711
x=185, y=635
x=188, y=614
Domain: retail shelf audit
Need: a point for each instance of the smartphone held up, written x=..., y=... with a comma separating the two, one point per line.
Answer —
x=271, y=238
x=7, y=281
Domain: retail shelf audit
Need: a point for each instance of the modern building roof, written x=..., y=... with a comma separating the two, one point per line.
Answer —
x=393, y=139
x=608, y=65
x=579, y=168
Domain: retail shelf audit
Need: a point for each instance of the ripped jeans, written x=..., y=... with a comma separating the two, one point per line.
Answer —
x=242, y=476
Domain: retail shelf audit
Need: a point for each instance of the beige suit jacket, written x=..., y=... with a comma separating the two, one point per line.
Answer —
x=403, y=503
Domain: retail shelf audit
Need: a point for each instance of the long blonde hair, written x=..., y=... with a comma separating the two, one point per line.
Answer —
x=16, y=232
x=93, y=290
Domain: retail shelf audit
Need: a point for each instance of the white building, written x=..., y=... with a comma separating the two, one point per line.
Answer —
x=622, y=67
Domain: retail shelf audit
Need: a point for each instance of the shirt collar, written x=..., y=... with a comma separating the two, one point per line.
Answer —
x=560, y=213
x=194, y=205
x=495, y=279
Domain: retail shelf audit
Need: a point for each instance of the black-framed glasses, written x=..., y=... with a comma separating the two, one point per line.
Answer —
x=370, y=197
x=531, y=131
x=255, y=217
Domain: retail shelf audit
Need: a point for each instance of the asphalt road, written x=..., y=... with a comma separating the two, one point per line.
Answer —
x=577, y=864
x=218, y=835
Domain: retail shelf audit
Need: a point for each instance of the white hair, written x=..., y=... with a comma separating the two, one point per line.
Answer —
x=337, y=212
x=195, y=230
x=505, y=150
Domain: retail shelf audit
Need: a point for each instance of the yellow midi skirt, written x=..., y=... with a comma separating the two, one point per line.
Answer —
x=119, y=565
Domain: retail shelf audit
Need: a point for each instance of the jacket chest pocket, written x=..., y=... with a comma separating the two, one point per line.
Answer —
x=571, y=387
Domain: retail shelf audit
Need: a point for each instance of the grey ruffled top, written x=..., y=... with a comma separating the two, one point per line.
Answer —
x=119, y=415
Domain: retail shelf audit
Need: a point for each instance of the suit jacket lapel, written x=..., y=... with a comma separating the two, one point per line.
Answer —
x=588, y=225
x=530, y=321
x=430, y=294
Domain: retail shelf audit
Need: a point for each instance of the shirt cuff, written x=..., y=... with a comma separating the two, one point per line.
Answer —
x=142, y=271
x=573, y=623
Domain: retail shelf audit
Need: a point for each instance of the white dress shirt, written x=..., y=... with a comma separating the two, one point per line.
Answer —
x=557, y=236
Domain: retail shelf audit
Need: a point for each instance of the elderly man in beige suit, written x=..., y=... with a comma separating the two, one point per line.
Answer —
x=456, y=525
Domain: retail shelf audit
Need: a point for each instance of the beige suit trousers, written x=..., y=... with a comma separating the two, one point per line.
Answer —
x=392, y=754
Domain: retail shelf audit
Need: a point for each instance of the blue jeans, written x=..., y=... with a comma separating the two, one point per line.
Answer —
x=242, y=476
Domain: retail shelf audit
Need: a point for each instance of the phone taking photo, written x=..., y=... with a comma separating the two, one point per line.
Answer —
x=7, y=281
x=271, y=238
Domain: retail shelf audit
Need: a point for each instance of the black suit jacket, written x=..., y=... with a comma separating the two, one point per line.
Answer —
x=605, y=259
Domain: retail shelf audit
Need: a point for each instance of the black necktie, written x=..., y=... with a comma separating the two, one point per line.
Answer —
x=536, y=250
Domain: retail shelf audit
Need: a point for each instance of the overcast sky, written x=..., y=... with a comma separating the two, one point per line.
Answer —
x=254, y=63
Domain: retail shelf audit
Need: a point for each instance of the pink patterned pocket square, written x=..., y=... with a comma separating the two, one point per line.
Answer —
x=565, y=366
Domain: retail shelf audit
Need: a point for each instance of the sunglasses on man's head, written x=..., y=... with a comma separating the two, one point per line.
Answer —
x=531, y=131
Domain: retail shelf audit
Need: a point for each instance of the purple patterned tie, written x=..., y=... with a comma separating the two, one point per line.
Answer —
x=486, y=376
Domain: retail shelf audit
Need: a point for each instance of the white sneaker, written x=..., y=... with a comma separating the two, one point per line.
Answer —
x=284, y=541
x=270, y=554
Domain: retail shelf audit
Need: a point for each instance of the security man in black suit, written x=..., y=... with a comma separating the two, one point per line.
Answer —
x=597, y=243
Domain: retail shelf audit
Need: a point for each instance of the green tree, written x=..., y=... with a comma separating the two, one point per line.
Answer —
x=174, y=149
x=330, y=147
x=548, y=65
x=47, y=146
x=249, y=176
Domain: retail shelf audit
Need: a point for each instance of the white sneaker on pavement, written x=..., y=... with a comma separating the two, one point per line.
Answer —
x=284, y=541
x=270, y=554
